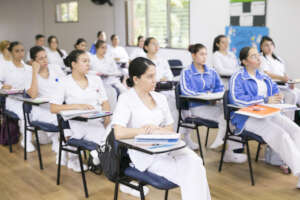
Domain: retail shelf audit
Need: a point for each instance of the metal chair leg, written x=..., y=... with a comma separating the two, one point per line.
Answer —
x=249, y=163
x=38, y=148
x=206, y=139
x=223, y=152
x=200, y=147
x=116, y=191
x=25, y=142
x=59, y=162
x=258, y=151
x=166, y=194
x=84, y=154
x=82, y=174
x=8, y=135
x=142, y=192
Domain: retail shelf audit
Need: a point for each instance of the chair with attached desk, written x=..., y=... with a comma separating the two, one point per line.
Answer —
x=245, y=136
x=192, y=122
x=176, y=66
x=128, y=173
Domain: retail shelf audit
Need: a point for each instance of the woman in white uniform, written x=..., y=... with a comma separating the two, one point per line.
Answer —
x=248, y=87
x=138, y=51
x=45, y=78
x=80, y=91
x=15, y=75
x=105, y=66
x=5, y=57
x=274, y=67
x=143, y=111
x=118, y=53
x=54, y=53
x=224, y=61
x=198, y=79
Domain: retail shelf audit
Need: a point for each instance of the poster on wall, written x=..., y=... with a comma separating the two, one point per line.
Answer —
x=248, y=12
x=240, y=37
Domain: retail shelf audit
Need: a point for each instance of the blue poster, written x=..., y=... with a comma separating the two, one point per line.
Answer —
x=245, y=36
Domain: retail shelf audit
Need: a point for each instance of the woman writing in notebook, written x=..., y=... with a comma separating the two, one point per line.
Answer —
x=248, y=87
x=143, y=111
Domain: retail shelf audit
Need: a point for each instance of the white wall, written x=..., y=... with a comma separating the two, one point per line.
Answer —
x=20, y=20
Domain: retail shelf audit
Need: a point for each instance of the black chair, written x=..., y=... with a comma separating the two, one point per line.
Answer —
x=128, y=173
x=245, y=136
x=192, y=122
x=176, y=66
x=79, y=144
x=34, y=127
x=7, y=115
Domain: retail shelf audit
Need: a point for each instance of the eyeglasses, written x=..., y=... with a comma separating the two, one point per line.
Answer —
x=254, y=56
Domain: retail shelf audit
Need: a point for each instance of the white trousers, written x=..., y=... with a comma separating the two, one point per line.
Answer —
x=184, y=168
x=282, y=135
x=170, y=95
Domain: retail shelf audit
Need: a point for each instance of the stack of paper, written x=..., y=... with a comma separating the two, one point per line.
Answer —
x=158, y=138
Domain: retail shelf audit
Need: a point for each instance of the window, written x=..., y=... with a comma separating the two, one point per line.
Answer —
x=67, y=12
x=166, y=20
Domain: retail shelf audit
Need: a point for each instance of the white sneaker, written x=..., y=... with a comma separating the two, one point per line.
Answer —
x=232, y=157
x=190, y=143
x=64, y=160
x=95, y=157
x=30, y=147
x=75, y=165
x=298, y=185
x=133, y=192
x=218, y=142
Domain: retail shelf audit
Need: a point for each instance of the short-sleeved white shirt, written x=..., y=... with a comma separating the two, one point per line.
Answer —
x=271, y=65
x=119, y=52
x=162, y=69
x=131, y=112
x=55, y=58
x=69, y=91
x=225, y=64
x=137, y=52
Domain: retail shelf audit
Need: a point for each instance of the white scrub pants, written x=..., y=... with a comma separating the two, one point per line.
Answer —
x=170, y=95
x=291, y=96
x=184, y=168
x=282, y=135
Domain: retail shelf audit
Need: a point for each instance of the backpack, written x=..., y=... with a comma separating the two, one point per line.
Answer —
x=13, y=131
x=109, y=156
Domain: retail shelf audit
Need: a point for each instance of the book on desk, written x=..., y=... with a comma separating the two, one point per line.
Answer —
x=86, y=114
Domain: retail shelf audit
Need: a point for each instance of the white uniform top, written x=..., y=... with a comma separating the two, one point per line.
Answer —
x=106, y=66
x=162, y=69
x=17, y=77
x=70, y=92
x=271, y=65
x=131, y=112
x=119, y=52
x=137, y=52
x=1, y=57
x=55, y=58
x=225, y=64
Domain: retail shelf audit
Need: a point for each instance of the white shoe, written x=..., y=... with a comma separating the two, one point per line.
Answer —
x=218, y=142
x=298, y=185
x=133, y=192
x=55, y=147
x=232, y=157
x=95, y=157
x=190, y=143
x=64, y=160
x=75, y=165
x=30, y=147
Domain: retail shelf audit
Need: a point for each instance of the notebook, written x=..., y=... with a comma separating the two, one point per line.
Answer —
x=258, y=111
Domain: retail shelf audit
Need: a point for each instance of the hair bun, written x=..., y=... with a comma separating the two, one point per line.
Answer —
x=67, y=62
x=191, y=48
x=129, y=82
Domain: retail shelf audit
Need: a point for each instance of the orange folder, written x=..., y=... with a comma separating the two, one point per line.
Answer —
x=258, y=111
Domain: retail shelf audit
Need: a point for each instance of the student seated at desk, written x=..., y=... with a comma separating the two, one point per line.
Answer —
x=101, y=35
x=118, y=53
x=274, y=67
x=45, y=78
x=197, y=79
x=81, y=44
x=143, y=111
x=138, y=51
x=54, y=53
x=106, y=66
x=14, y=75
x=224, y=61
x=248, y=87
x=39, y=41
x=80, y=91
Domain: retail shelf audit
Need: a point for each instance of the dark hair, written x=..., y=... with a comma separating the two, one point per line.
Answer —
x=194, y=48
x=38, y=36
x=244, y=53
x=139, y=38
x=113, y=36
x=49, y=41
x=99, y=33
x=137, y=68
x=13, y=44
x=34, y=51
x=268, y=39
x=79, y=40
x=72, y=57
x=217, y=41
x=147, y=42
x=99, y=43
